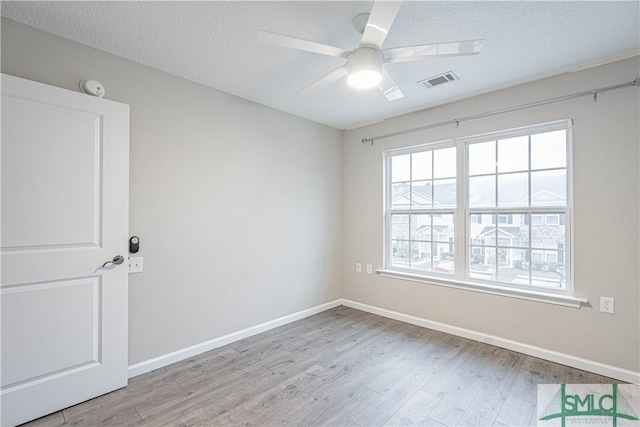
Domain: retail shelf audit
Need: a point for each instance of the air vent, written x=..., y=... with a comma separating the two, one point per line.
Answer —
x=438, y=80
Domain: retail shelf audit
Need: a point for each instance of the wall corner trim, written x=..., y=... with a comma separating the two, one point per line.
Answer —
x=550, y=355
x=185, y=353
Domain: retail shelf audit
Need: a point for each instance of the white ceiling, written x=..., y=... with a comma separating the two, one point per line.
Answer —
x=214, y=43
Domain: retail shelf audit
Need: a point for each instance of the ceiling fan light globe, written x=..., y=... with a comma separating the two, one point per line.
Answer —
x=364, y=79
x=365, y=68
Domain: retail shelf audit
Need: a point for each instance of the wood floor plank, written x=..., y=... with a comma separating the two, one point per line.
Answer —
x=497, y=381
x=341, y=367
x=121, y=401
x=520, y=405
x=394, y=398
x=339, y=399
x=54, y=420
x=415, y=411
x=270, y=402
x=191, y=416
x=344, y=406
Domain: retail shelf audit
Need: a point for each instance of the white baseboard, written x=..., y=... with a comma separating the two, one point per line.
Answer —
x=553, y=356
x=185, y=353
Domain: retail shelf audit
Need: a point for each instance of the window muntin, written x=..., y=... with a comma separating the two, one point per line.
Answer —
x=512, y=217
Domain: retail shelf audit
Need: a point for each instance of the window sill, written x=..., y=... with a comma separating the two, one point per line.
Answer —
x=533, y=295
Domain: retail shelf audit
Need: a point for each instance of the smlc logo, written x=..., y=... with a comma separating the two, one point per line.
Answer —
x=588, y=404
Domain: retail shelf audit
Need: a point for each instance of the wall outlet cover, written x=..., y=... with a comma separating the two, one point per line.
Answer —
x=135, y=264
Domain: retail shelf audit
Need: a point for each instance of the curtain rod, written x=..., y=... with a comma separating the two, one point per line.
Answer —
x=593, y=93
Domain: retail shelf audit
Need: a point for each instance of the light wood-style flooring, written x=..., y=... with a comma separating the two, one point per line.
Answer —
x=342, y=367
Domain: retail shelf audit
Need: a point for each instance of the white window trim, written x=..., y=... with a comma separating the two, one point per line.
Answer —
x=565, y=297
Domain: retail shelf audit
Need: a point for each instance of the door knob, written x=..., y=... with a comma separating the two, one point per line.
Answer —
x=117, y=260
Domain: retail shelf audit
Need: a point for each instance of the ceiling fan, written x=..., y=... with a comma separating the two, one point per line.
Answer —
x=364, y=64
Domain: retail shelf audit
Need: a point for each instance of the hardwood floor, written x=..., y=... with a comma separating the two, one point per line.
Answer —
x=342, y=367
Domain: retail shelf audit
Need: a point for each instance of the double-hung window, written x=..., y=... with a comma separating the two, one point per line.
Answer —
x=491, y=210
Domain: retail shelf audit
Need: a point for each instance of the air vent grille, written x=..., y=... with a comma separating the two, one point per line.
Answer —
x=438, y=80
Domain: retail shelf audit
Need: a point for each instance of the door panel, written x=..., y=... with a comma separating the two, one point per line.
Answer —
x=62, y=209
x=64, y=214
x=69, y=329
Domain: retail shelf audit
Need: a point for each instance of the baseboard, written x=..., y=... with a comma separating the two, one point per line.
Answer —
x=553, y=356
x=185, y=353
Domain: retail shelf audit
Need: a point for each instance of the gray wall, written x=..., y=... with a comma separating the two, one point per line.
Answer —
x=606, y=224
x=238, y=206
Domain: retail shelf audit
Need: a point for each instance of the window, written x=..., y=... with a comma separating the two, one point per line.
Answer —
x=490, y=210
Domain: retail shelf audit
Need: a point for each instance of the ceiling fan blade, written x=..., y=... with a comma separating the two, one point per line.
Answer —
x=325, y=81
x=416, y=53
x=300, y=44
x=389, y=88
x=380, y=19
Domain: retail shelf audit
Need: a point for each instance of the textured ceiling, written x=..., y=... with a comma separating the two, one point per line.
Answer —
x=214, y=43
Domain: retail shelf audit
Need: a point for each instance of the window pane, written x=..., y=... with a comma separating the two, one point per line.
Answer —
x=421, y=256
x=400, y=227
x=421, y=195
x=546, y=271
x=444, y=193
x=549, y=150
x=513, y=154
x=476, y=255
x=400, y=254
x=521, y=220
x=421, y=168
x=513, y=190
x=482, y=191
x=443, y=229
x=545, y=236
x=446, y=265
x=482, y=266
x=444, y=163
x=549, y=188
x=400, y=196
x=400, y=168
x=483, y=231
x=482, y=158
x=513, y=266
x=421, y=227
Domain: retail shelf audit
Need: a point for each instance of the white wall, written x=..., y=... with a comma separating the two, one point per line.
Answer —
x=238, y=206
x=606, y=219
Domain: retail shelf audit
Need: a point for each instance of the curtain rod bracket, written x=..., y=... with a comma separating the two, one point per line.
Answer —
x=365, y=140
x=595, y=96
x=457, y=123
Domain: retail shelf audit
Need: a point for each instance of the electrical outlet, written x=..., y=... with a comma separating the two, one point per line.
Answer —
x=135, y=264
x=369, y=269
x=358, y=267
x=606, y=305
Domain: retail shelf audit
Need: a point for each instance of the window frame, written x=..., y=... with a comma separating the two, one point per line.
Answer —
x=463, y=216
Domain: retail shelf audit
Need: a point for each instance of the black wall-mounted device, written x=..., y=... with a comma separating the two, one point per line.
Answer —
x=134, y=244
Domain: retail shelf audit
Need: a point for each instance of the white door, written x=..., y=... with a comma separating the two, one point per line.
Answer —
x=65, y=183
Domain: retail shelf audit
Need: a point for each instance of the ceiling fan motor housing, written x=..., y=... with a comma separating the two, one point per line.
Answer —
x=365, y=67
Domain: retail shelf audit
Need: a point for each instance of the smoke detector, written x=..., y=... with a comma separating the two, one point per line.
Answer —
x=438, y=80
x=91, y=87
